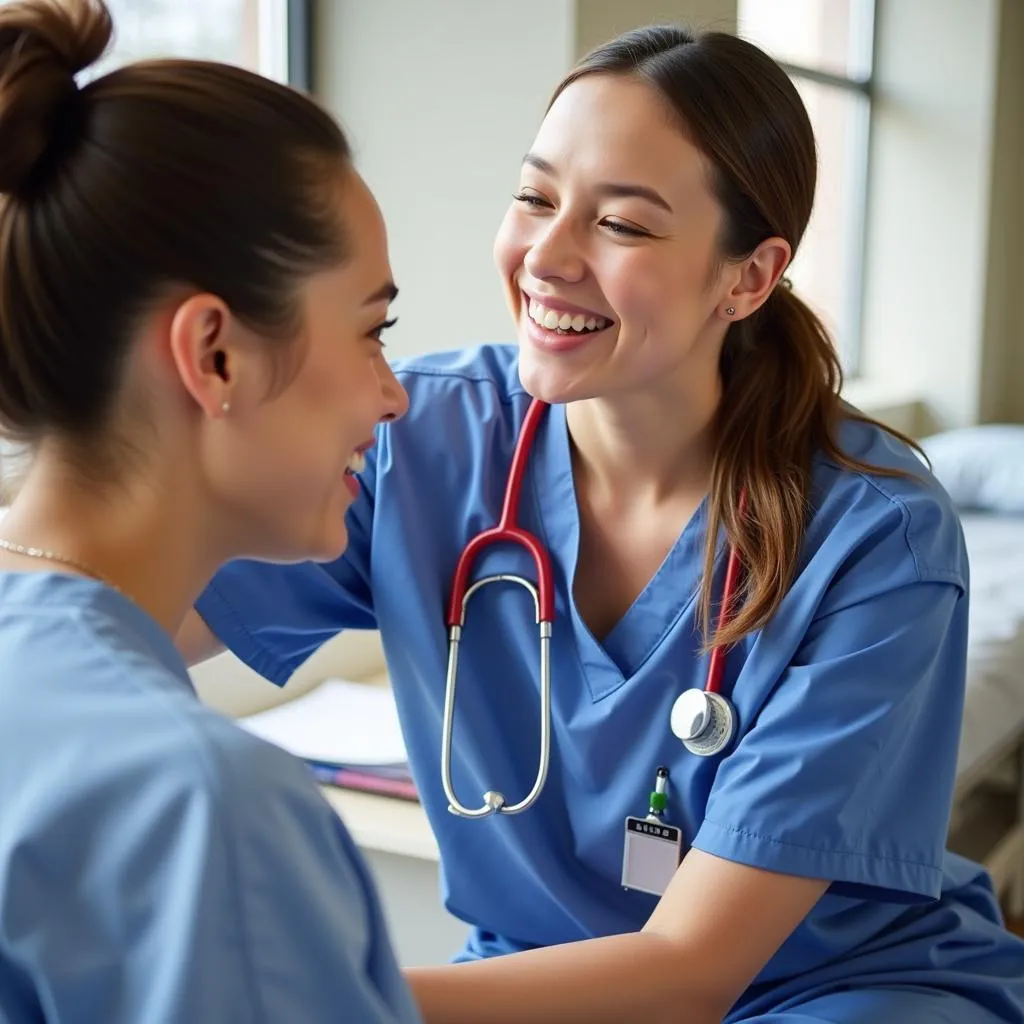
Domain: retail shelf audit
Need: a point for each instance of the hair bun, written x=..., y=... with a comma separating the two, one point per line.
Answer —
x=43, y=45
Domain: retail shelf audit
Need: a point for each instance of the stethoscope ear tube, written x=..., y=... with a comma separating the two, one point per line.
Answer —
x=494, y=802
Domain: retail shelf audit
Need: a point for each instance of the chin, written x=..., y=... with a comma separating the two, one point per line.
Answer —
x=551, y=381
x=325, y=545
x=332, y=545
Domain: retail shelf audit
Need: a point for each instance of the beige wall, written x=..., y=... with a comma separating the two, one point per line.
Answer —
x=599, y=20
x=927, y=231
x=1002, y=381
x=441, y=100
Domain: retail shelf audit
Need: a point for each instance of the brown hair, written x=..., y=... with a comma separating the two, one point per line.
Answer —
x=781, y=375
x=158, y=174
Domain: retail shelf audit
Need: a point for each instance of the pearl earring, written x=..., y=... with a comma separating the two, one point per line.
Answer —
x=730, y=310
x=225, y=407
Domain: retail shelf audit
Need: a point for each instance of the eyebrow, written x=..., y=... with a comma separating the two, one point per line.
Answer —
x=617, y=189
x=386, y=291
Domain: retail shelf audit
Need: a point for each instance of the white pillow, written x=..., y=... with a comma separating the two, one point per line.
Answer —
x=981, y=467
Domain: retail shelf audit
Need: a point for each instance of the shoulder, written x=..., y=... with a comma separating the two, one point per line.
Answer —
x=466, y=403
x=894, y=510
x=129, y=744
x=489, y=368
x=479, y=384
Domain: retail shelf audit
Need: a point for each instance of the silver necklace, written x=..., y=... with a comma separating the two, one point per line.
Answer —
x=53, y=556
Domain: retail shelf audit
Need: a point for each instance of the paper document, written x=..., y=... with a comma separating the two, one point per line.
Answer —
x=339, y=723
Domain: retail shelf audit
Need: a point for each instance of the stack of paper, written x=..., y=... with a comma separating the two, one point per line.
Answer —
x=347, y=732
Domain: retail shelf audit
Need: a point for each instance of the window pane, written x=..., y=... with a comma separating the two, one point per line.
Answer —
x=222, y=30
x=824, y=35
x=827, y=268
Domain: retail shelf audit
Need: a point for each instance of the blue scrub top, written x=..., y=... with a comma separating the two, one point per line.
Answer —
x=158, y=863
x=849, y=701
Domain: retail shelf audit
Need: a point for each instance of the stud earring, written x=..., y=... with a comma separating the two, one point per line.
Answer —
x=730, y=310
x=225, y=407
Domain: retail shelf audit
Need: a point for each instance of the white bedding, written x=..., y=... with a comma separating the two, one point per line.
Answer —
x=994, y=713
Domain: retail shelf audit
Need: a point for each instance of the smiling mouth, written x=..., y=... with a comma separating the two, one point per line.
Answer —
x=562, y=322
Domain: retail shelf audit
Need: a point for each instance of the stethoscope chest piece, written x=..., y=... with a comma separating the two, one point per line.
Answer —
x=704, y=721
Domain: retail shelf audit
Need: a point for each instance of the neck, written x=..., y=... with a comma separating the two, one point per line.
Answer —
x=651, y=447
x=139, y=537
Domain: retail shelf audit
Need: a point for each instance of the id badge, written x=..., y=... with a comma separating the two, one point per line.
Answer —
x=651, y=854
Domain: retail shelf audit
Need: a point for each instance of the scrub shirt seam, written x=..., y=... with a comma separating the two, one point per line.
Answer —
x=504, y=396
x=240, y=909
x=196, y=739
x=924, y=572
x=280, y=672
x=735, y=830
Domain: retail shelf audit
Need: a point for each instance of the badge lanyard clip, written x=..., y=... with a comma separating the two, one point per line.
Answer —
x=652, y=848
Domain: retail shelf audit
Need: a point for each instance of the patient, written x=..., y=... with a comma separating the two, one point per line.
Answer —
x=193, y=286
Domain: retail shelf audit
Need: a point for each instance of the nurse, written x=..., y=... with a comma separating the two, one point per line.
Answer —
x=694, y=408
x=193, y=352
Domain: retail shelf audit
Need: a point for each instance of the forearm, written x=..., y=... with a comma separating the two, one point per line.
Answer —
x=639, y=976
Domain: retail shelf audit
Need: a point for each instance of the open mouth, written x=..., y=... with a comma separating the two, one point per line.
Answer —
x=564, y=322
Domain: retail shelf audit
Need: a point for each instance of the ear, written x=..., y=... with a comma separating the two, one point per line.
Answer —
x=759, y=274
x=202, y=355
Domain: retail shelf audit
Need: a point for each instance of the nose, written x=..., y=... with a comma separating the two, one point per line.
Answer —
x=394, y=399
x=555, y=254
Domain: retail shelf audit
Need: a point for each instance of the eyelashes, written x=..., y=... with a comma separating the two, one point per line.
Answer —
x=616, y=227
x=382, y=327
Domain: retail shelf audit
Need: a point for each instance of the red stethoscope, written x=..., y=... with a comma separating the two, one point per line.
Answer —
x=704, y=720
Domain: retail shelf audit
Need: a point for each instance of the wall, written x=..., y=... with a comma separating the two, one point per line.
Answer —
x=928, y=248
x=441, y=101
x=1002, y=382
x=596, y=21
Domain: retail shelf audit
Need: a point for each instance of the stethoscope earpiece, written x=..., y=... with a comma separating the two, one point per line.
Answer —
x=704, y=721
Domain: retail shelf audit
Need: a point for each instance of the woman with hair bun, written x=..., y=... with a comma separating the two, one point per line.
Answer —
x=193, y=285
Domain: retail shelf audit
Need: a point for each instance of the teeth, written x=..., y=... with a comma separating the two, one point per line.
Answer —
x=356, y=462
x=553, y=320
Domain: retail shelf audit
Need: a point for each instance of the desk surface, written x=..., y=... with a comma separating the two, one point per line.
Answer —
x=384, y=824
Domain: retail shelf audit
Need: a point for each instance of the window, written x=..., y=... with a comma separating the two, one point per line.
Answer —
x=827, y=47
x=270, y=37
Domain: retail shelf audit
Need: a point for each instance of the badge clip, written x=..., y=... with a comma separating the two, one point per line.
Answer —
x=652, y=848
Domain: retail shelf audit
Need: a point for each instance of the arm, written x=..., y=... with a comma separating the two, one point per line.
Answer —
x=714, y=929
x=261, y=907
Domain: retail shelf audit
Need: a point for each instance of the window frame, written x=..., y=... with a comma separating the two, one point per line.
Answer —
x=850, y=326
x=295, y=19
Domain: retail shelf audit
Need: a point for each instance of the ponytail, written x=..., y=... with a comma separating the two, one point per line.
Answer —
x=780, y=405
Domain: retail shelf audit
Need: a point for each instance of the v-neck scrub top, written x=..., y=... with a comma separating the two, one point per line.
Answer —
x=849, y=701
